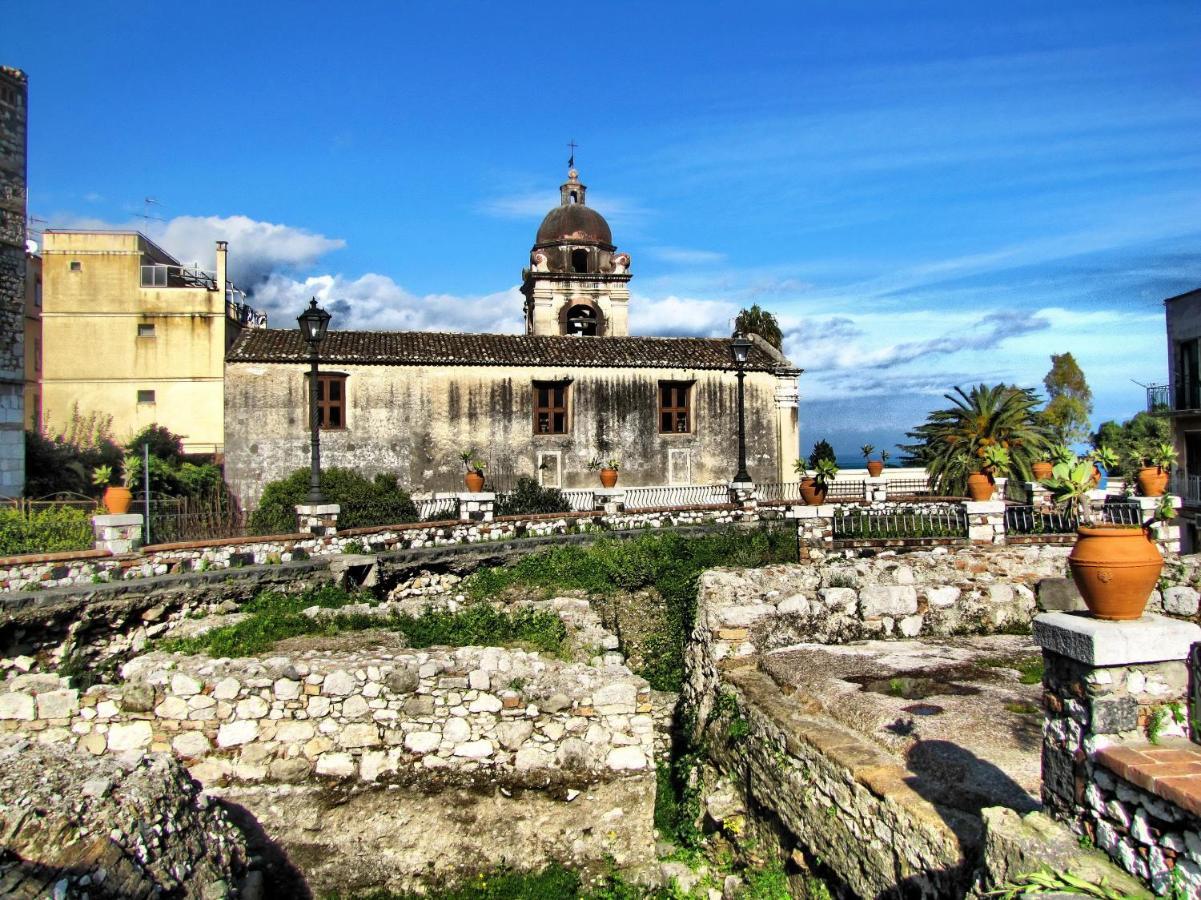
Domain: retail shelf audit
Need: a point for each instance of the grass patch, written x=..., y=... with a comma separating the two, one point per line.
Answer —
x=1029, y=668
x=275, y=617
x=666, y=562
x=551, y=883
x=1023, y=709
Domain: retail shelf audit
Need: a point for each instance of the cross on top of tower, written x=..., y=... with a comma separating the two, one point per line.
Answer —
x=571, y=160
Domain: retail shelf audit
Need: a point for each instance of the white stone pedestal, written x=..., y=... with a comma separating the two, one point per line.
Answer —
x=320, y=519
x=985, y=521
x=476, y=507
x=609, y=500
x=118, y=534
x=743, y=493
x=875, y=490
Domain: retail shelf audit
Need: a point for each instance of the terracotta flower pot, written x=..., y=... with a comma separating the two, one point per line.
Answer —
x=117, y=500
x=475, y=482
x=875, y=467
x=979, y=486
x=1116, y=568
x=1042, y=471
x=811, y=493
x=608, y=477
x=1152, y=481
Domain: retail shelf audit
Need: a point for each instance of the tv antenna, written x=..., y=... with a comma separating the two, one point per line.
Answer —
x=146, y=216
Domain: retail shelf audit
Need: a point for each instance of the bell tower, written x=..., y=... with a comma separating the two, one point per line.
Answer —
x=577, y=283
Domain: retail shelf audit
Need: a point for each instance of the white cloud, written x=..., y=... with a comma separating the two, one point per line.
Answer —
x=375, y=302
x=680, y=316
x=685, y=256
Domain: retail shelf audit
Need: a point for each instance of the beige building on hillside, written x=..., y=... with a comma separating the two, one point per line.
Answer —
x=33, y=339
x=128, y=331
x=575, y=387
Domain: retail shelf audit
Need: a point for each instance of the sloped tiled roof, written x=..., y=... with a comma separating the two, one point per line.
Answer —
x=416, y=348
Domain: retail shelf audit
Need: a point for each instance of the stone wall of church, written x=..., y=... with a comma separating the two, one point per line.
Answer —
x=415, y=421
x=13, y=102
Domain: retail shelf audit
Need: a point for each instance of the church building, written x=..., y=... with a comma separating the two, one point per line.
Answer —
x=575, y=387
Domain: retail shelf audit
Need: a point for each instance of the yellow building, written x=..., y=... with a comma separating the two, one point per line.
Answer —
x=33, y=339
x=129, y=332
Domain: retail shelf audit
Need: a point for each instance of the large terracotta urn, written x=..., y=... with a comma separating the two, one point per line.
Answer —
x=1152, y=481
x=811, y=493
x=117, y=499
x=875, y=467
x=608, y=477
x=1116, y=568
x=475, y=482
x=1042, y=470
x=979, y=486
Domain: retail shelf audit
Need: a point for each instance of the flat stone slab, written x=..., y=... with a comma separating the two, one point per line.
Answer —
x=1098, y=642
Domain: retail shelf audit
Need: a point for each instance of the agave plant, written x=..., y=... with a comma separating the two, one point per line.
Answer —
x=824, y=472
x=952, y=443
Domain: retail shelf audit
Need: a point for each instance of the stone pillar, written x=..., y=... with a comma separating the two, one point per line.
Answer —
x=999, y=486
x=118, y=534
x=610, y=501
x=985, y=521
x=815, y=526
x=476, y=507
x=1038, y=496
x=743, y=493
x=875, y=490
x=1165, y=533
x=1102, y=681
x=320, y=519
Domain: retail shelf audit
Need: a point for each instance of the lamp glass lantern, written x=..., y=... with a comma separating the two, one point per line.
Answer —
x=314, y=322
x=740, y=348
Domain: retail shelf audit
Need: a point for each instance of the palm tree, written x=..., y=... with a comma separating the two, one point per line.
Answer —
x=761, y=322
x=952, y=443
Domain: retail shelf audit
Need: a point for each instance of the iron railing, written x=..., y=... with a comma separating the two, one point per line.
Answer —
x=846, y=490
x=175, y=519
x=676, y=495
x=1159, y=398
x=870, y=524
x=1122, y=512
x=177, y=277
x=908, y=487
x=1023, y=519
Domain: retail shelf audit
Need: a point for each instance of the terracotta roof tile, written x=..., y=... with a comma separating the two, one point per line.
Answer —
x=412, y=348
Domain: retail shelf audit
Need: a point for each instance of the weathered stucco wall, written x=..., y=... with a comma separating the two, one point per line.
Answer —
x=415, y=421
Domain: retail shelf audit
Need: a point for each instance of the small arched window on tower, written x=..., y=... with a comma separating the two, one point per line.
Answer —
x=581, y=320
x=579, y=260
x=574, y=197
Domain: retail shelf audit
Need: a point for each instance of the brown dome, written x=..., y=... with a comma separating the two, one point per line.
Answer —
x=574, y=223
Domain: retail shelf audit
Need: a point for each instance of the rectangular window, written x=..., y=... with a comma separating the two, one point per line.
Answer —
x=1188, y=387
x=674, y=412
x=37, y=354
x=331, y=401
x=145, y=396
x=145, y=331
x=154, y=276
x=550, y=468
x=76, y=266
x=37, y=293
x=550, y=407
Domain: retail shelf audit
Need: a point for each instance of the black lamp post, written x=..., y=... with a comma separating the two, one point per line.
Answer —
x=313, y=324
x=740, y=348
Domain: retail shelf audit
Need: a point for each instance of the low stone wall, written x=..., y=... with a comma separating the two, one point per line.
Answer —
x=38, y=572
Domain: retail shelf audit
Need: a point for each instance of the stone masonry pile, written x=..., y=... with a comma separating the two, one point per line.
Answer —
x=118, y=827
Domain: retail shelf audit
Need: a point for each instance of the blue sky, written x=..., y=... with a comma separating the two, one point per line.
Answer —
x=926, y=194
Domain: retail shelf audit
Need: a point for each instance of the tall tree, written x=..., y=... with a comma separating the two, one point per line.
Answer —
x=1069, y=400
x=759, y=321
x=951, y=443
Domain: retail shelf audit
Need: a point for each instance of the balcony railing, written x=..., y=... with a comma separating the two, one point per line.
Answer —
x=1187, y=487
x=1159, y=398
x=163, y=276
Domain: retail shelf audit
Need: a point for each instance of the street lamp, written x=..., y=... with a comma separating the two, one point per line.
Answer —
x=740, y=348
x=313, y=324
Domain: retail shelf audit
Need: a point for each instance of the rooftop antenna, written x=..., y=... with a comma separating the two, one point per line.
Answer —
x=145, y=216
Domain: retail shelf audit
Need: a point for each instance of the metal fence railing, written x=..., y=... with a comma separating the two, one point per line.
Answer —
x=1122, y=512
x=175, y=519
x=908, y=487
x=869, y=524
x=1022, y=519
x=676, y=495
x=846, y=490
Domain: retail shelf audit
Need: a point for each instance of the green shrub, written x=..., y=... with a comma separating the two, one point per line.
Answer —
x=45, y=531
x=378, y=501
x=530, y=498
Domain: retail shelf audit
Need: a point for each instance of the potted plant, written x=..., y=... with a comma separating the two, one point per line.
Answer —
x=116, y=498
x=824, y=473
x=885, y=456
x=874, y=466
x=807, y=486
x=1104, y=461
x=1156, y=460
x=996, y=465
x=1115, y=567
x=475, y=470
x=608, y=470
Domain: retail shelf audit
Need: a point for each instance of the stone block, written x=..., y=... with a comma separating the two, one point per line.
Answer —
x=1111, y=715
x=19, y=706
x=1100, y=643
x=887, y=600
x=233, y=734
x=129, y=736
x=1059, y=595
x=1181, y=600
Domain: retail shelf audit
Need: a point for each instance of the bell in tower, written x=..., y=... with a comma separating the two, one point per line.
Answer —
x=577, y=283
